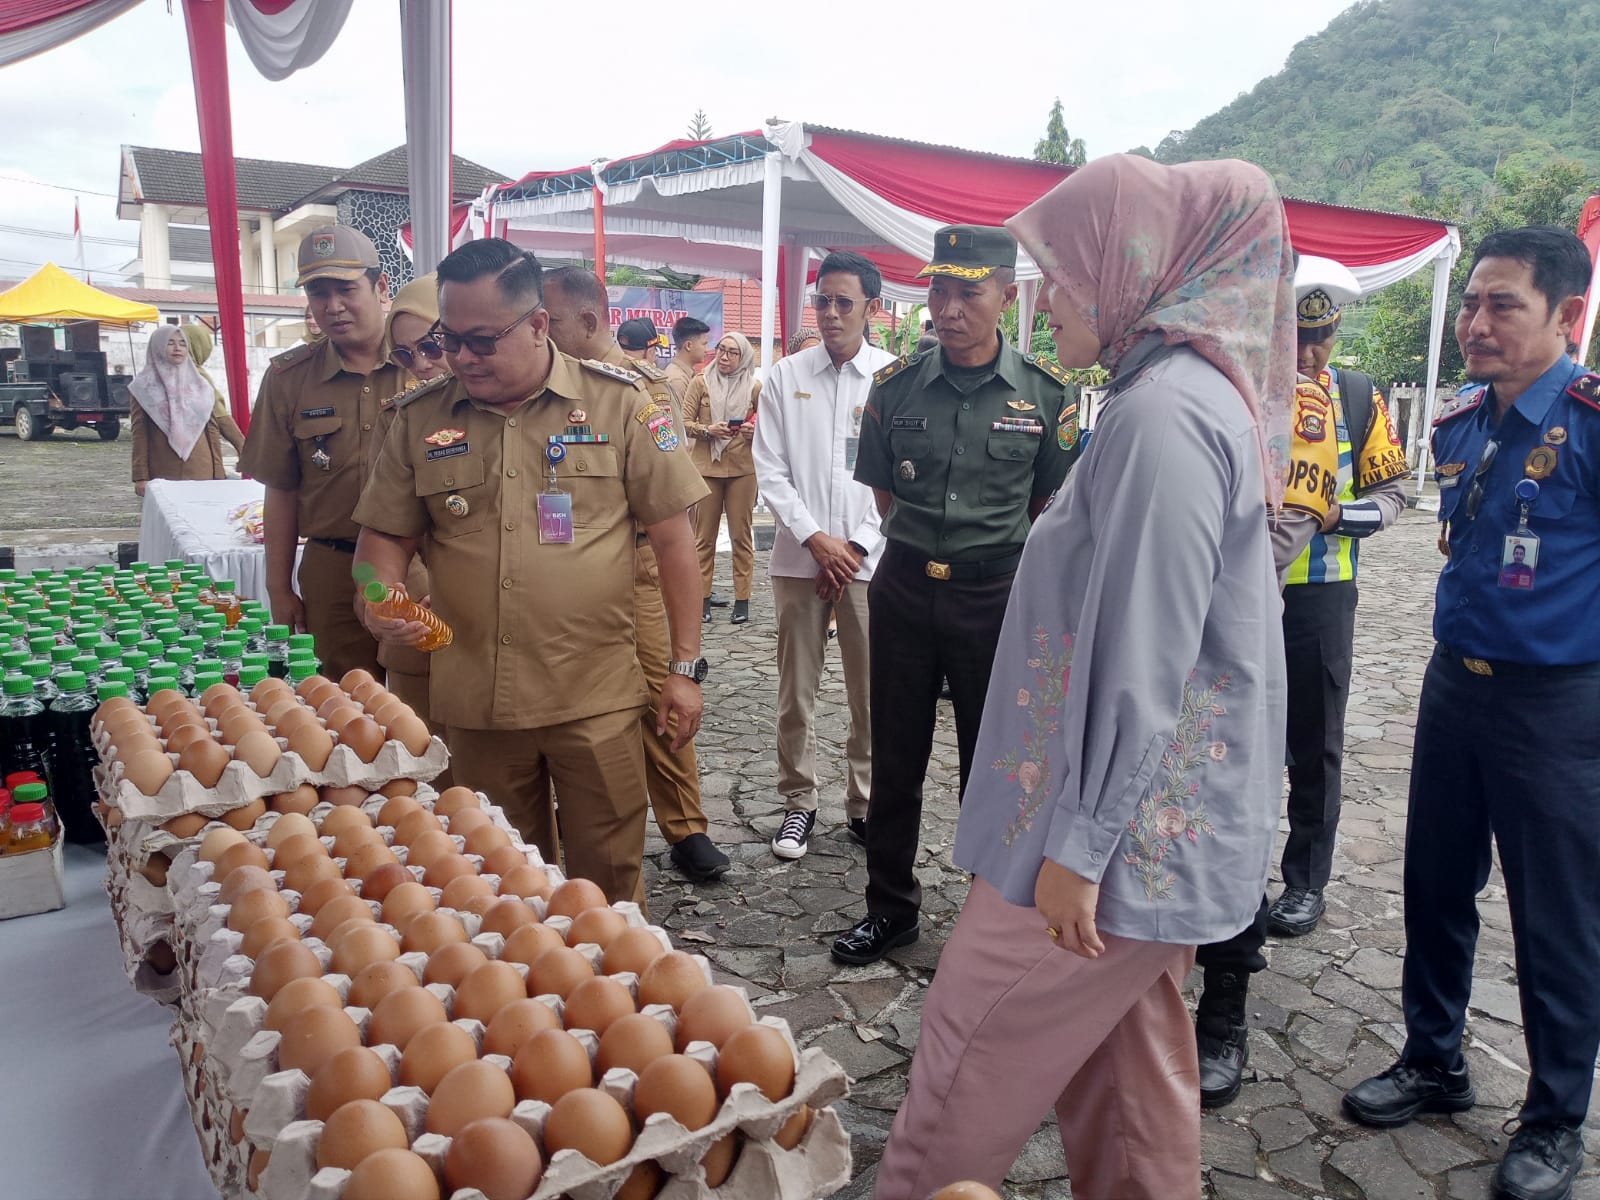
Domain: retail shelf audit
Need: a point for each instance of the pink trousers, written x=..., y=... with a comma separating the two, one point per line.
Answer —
x=1013, y=1025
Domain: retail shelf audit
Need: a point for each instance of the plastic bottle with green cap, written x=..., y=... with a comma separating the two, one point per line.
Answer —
x=301, y=644
x=137, y=662
x=13, y=634
x=395, y=605
x=31, y=820
x=24, y=734
x=164, y=680
x=278, y=650
x=11, y=660
x=44, y=684
x=73, y=758
x=230, y=653
x=183, y=659
x=255, y=639
x=110, y=689
x=204, y=680
x=250, y=676
x=303, y=668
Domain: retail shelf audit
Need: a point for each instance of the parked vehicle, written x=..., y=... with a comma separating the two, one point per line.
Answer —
x=50, y=385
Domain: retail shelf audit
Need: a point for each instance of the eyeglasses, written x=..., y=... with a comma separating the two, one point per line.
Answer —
x=481, y=344
x=820, y=302
x=730, y=351
x=426, y=348
x=1474, y=500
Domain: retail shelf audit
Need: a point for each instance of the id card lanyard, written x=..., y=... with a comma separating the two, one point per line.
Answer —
x=1519, y=557
x=555, y=505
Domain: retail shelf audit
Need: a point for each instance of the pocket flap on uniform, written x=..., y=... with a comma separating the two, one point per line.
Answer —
x=449, y=474
x=306, y=428
x=1013, y=447
x=584, y=459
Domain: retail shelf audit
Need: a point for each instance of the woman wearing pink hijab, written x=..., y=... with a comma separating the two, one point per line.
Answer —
x=170, y=395
x=1127, y=778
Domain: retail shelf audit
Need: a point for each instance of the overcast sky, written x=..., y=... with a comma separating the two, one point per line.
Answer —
x=548, y=85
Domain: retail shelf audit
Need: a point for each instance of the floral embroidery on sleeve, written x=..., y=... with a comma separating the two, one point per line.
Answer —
x=1029, y=767
x=1163, y=821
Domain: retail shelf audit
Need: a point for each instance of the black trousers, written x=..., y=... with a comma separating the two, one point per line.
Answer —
x=1515, y=757
x=1241, y=952
x=1319, y=625
x=922, y=631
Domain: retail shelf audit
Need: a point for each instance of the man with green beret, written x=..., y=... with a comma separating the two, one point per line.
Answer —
x=962, y=444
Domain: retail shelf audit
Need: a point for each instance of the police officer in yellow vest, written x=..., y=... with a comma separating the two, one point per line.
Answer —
x=1319, y=602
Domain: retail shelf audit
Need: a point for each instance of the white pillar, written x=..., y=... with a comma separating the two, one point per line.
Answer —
x=425, y=64
x=1027, y=305
x=771, y=209
x=154, y=249
x=249, y=267
x=267, y=252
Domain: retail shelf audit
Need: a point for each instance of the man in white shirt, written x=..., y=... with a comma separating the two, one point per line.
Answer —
x=827, y=541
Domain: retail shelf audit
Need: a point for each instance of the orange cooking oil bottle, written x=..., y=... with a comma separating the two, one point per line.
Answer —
x=397, y=606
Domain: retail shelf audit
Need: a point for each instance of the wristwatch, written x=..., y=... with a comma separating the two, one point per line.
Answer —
x=691, y=668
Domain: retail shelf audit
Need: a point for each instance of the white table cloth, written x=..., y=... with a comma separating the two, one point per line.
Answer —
x=188, y=519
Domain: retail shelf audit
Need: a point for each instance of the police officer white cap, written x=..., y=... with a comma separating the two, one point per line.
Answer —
x=1321, y=287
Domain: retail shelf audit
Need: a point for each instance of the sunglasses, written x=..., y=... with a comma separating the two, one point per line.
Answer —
x=1474, y=500
x=481, y=344
x=821, y=302
x=407, y=356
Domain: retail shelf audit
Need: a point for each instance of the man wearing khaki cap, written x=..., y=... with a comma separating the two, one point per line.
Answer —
x=318, y=425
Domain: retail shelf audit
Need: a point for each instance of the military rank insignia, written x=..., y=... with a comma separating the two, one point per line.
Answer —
x=444, y=437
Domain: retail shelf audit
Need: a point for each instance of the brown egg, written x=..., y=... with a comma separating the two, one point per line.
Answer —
x=356, y=1130
x=289, y=825
x=679, y=1086
x=219, y=694
x=185, y=825
x=486, y=838
x=405, y=901
x=516, y=1023
x=362, y=860
x=389, y=708
x=268, y=689
x=302, y=800
x=246, y=815
x=362, y=946
x=376, y=980
x=415, y=823
x=218, y=840
x=453, y=963
x=497, y=1157
x=312, y=1037
x=391, y=1174
x=155, y=869
x=278, y=710
x=236, y=1125
x=185, y=736
x=148, y=771
x=528, y=942
x=632, y=950
x=476, y=903
x=507, y=916
x=592, y=1123
x=313, y=683
x=711, y=1015
x=258, y=1164
x=163, y=700
x=308, y=870
x=503, y=859
x=792, y=1130
x=343, y=818
x=466, y=820
x=433, y=1052
x=354, y=678
x=427, y=931
x=296, y=996
x=278, y=964
x=364, y=691
x=312, y=744
x=350, y=840
x=339, y=712
x=396, y=807
x=756, y=1054
x=718, y=1160
x=411, y=731
x=337, y=911
x=254, y=905
x=266, y=931
x=453, y=799
x=240, y=723
x=315, y=897
x=353, y=796
x=447, y=868
x=467, y=885
x=401, y=1013
x=643, y=1182
x=575, y=895
x=206, y=761
x=550, y=1064
x=399, y=787
x=488, y=989
x=597, y=926
x=529, y=882
x=470, y=1091
x=256, y=749
x=355, y=1073
x=294, y=847
x=428, y=845
x=558, y=971
x=383, y=879
x=241, y=854
x=290, y=718
x=634, y=1041
x=243, y=880
x=671, y=979
x=597, y=1002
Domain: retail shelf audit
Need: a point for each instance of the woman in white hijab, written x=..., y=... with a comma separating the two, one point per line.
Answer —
x=175, y=434
x=719, y=417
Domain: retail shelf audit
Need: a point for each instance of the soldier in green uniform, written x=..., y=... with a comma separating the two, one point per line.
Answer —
x=962, y=444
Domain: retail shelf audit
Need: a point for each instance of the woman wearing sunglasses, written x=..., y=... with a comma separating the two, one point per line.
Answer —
x=719, y=415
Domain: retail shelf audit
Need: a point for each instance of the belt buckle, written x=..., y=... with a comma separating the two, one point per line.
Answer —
x=937, y=570
x=1477, y=666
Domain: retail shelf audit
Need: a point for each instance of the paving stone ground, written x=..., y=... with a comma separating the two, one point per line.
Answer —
x=1324, y=1015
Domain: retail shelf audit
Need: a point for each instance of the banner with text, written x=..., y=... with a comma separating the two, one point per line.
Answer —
x=664, y=306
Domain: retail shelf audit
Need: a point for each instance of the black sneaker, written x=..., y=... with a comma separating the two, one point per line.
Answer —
x=794, y=836
x=872, y=939
x=1404, y=1090
x=741, y=612
x=856, y=827
x=1540, y=1164
x=716, y=601
x=697, y=858
x=1296, y=912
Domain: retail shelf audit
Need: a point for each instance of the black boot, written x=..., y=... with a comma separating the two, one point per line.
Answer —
x=1222, y=1037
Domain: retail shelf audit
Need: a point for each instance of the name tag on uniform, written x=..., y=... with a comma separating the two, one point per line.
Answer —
x=852, y=447
x=326, y=410
x=451, y=451
x=920, y=423
x=1029, y=427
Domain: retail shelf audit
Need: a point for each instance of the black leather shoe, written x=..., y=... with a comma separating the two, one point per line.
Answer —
x=705, y=613
x=1223, y=1056
x=1295, y=912
x=741, y=612
x=697, y=858
x=1404, y=1090
x=856, y=827
x=872, y=939
x=1540, y=1164
x=717, y=601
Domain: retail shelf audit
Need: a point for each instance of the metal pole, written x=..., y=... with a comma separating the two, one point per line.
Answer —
x=771, y=209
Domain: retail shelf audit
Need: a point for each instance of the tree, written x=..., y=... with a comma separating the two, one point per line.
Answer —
x=1057, y=146
x=700, y=125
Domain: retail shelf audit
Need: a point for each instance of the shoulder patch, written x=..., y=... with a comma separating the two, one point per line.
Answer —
x=417, y=390
x=893, y=369
x=1049, y=366
x=1463, y=403
x=1587, y=389
x=299, y=354
x=611, y=371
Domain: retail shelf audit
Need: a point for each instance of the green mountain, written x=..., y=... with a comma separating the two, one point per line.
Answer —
x=1398, y=101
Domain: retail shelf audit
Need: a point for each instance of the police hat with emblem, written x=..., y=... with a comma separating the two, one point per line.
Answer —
x=335, y=252
x=971, y=252
x=638, y=334
x=1321, y=287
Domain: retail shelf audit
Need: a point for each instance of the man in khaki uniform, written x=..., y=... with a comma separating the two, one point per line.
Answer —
x=313, y=441
x=527, y=474
x=691, y=341
x=576, y=302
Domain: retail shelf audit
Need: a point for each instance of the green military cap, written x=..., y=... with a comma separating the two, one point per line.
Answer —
x=971, y=252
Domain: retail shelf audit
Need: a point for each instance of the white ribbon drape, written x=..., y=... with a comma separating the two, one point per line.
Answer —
x=32, y=39
x=280, y=43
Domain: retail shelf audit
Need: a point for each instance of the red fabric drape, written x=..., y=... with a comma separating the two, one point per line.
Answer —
x=19, y=14
x=208, y=56
x=1356, y=237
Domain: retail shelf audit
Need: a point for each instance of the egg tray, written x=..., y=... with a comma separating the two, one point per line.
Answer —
x=209, y=1115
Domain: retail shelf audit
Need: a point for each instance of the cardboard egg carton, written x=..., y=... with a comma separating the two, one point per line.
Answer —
x=183, y=793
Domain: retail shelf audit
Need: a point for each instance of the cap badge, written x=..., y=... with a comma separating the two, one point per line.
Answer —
x=577, y=417
x=952, y=239
x=1315, y=306
x=322, y=245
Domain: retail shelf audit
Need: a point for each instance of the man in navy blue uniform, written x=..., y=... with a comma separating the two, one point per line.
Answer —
x=1507, y=744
